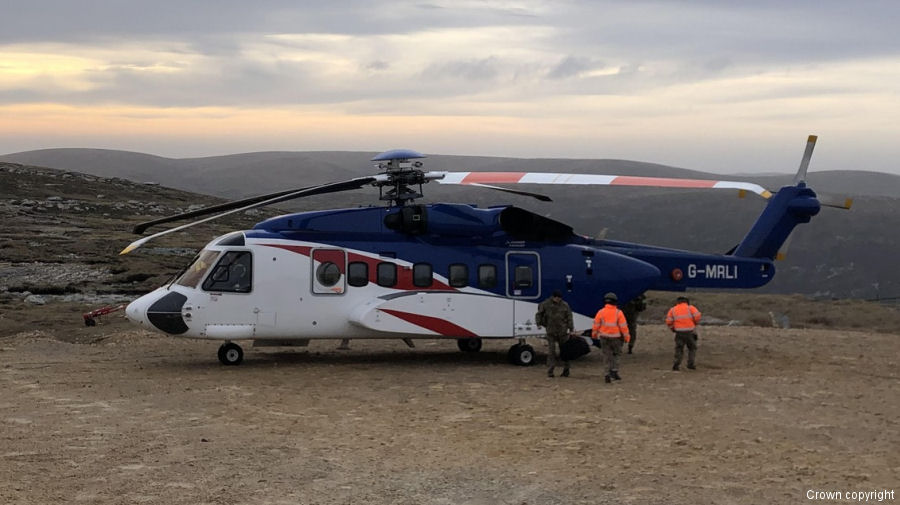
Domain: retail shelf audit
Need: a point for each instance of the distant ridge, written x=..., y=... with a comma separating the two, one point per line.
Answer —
x=226, y=175
x=839, y=254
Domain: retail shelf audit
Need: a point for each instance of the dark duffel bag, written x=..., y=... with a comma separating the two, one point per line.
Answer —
x=573, y=348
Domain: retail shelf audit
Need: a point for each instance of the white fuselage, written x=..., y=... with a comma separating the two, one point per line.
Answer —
x=292, y=295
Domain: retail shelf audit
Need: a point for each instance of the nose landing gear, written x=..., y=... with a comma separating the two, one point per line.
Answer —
x=231, y=354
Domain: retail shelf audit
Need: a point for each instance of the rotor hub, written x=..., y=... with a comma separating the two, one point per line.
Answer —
x=401, y=173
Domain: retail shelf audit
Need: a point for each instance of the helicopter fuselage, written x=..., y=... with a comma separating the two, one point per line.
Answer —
x=432, y=271
x=438, y=270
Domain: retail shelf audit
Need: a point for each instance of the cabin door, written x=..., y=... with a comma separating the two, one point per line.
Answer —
x=523, y=285
x=523, y=275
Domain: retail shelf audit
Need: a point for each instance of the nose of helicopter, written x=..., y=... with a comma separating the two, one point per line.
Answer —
x=160, y=310
x=136, y=311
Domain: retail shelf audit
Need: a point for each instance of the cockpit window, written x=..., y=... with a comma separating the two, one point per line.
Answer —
x=198, y=269
x=232, y=274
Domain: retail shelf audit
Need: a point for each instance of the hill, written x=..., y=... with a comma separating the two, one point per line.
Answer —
x=840, y=254
x=60, y=234
x=226, y=175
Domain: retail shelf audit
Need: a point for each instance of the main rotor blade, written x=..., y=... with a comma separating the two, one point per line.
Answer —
x=543, y=198
x=804, y=162
x=222, y=207
x=482, y=178
x=315, y=190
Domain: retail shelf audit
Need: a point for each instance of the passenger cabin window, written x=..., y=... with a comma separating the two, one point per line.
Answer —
x=458, y=275
x=328, y=274
x=422, y=275
x=524, y=277
x=487, y=276
x=386, y=274
x=233, y=273
x=358, y=274
x=328, y=271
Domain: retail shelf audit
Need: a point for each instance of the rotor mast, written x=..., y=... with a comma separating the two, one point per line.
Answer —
x=402, y=171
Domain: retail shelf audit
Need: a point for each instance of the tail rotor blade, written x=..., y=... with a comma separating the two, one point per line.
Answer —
x=781, y=255
x=804, y=163
x=836, y=201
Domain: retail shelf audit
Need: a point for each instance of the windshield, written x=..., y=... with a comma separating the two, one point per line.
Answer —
x=198, y=269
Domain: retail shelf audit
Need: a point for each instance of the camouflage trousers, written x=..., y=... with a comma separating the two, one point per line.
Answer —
x=554, y=342
x=682, y=339
x=612, y=348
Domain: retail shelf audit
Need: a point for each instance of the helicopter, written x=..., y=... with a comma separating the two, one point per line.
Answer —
x=405, y=270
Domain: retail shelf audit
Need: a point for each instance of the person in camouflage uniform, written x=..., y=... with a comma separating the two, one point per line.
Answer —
x=555, y=315
x=631, y=310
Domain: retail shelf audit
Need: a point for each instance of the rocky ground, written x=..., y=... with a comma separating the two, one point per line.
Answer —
x=132, y=417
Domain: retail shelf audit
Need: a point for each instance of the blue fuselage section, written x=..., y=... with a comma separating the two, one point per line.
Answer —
x=531, y=255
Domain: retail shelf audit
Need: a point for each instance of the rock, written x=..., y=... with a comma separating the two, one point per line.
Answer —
x=35, y=300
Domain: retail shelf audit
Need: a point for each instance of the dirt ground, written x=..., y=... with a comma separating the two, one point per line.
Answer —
x=125, y=416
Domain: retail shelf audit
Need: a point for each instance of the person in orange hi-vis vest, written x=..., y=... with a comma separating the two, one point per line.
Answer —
x=610, y=328
x=683, y=319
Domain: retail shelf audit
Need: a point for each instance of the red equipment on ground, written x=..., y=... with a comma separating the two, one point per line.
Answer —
x=89, y=316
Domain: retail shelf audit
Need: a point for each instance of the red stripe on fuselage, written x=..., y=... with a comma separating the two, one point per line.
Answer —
x=434, y=324
x=624, y=180
x=404, y=273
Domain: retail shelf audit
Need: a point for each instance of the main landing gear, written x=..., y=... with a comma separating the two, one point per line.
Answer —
x=521, y=354
x=231, y=354
x=472, y=344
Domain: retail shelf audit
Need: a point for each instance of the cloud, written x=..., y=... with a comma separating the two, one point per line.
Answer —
x=484, y=69
x=572, y=66
x=570, y=71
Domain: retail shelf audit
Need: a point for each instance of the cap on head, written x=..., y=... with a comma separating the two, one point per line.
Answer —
x=557, y=293
x=681, y=299
x=610, y=297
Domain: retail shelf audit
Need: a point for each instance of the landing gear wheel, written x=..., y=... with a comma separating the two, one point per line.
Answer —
x=521, y=354
x=469, y=344
x=511, y=354
x=231, y=354
x=90, y=322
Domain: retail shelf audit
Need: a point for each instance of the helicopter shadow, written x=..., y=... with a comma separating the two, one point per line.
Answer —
x=413, y=359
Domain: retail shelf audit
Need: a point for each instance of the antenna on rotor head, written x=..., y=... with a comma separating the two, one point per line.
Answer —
x=400, y=172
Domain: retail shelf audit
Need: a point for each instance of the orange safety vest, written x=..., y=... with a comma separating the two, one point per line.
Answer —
x=683, y=317
x=610, y=323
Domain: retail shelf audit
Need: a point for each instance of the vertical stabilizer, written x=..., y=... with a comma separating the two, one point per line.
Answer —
x=790, y=206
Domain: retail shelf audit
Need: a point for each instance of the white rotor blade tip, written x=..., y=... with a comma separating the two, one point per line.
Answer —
x=804, y=163
x=134, y=245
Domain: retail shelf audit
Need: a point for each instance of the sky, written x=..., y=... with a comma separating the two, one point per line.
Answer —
x=720, y=86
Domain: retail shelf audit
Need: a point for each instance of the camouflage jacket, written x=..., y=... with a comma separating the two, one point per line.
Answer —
x=631, y=309
x=556, y=317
